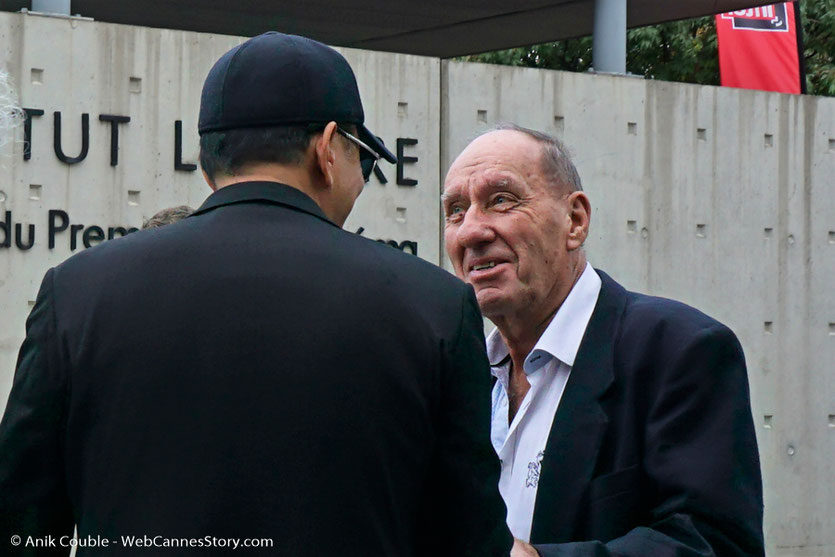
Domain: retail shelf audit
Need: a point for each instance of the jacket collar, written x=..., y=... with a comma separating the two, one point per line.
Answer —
x=580, y=422
x=274, y=193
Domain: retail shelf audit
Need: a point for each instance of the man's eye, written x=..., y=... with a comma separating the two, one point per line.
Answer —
x=454, y=212
x=501, y=199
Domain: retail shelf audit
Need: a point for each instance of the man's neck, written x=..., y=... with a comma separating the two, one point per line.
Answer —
x=521, y=331
x=299, y=177
x=294, y=176
x=520, y=335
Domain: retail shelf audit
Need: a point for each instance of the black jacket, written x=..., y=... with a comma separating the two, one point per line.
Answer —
x=652, y=452
x=253, y=371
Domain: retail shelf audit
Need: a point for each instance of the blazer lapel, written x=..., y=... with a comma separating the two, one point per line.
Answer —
x=579, y=424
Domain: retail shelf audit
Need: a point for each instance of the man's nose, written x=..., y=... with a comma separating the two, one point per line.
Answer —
x=475, y=229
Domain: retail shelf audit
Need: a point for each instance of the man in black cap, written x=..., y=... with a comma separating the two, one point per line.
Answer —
x=309, y=391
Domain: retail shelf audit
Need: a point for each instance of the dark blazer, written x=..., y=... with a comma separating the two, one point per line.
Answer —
x=652, y=452
x=253, y=371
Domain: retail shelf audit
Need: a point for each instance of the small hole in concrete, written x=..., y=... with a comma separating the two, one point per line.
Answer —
x=768, y=140
x=34, y=192
x=701, y=229
x=559, y=123
x=790, y=239
x=401, y=214
x=482, y=116
x=133, y=198
x=769, y=232
x=2, y=196
x=831, y=419
x=832, y=144
x=631, y=227
x=832, y=329
x=701, y=134
x=767, y=421
x=790, y=450
x=768, y=327
x=632, y=128
x=644, y=233
x=31, y=303
x=37, y=76
x=135, y=85
x=832, y=236
x=402, y=109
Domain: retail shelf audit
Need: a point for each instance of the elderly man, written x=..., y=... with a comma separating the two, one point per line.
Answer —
x=255, y=377
x=622, y=421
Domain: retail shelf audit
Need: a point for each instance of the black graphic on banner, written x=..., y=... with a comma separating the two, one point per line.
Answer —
x=765, y=18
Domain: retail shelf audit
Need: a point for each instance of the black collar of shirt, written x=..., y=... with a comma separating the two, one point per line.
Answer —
x=274, y=193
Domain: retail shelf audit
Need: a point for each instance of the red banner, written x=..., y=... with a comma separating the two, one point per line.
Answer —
x=758, y=49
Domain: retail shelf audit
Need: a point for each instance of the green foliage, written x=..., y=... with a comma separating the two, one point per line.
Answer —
x=572, y=55
x=819, y=45
x=676, y=51
x=684, y=51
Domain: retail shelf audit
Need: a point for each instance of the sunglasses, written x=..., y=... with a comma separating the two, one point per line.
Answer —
x=368, y=156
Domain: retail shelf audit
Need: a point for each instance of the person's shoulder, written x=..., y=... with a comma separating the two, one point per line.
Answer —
x=657, y=309
x=658, y=333
x=120, y=256
x=404, y=266
x=663, y=318
x=395, y=282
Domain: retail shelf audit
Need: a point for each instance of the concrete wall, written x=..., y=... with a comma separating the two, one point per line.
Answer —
x=721, y=198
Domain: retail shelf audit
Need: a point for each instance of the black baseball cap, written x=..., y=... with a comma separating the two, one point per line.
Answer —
x=276, y=79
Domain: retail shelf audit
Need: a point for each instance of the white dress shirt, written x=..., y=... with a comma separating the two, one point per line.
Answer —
x=521, y=444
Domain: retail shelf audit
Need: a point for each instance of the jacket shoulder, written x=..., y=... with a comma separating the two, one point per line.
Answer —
x=425, y=287
x=352, y=267
x=659, y=323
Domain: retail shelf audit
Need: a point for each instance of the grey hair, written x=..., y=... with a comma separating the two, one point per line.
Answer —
x=168, y=216
x=11, y=115
x=556, y=160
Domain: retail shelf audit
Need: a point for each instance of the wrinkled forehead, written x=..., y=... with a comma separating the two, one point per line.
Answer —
x=496, y=158
x=497, y=151
x=467, y=181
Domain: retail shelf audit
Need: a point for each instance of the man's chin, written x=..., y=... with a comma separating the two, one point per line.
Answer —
x=492, y=302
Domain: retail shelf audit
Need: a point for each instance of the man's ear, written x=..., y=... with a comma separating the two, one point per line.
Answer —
x=325, y=153
x=579, y=211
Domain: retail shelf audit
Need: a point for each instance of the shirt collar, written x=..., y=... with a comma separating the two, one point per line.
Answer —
x=497, y=351
x=263, y=192
x=561, y=339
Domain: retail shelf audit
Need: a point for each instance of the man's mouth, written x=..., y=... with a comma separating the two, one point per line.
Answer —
x=485, y=268
x=482, y=266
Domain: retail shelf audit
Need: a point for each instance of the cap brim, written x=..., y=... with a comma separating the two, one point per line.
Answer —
x=375, y=143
